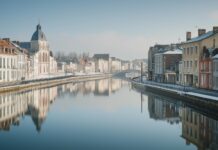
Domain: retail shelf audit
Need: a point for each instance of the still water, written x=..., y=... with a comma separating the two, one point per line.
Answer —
x=102, y=114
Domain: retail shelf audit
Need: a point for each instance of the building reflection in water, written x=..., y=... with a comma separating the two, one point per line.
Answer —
x=103, y=87
x=197, y=129
x=35, y=103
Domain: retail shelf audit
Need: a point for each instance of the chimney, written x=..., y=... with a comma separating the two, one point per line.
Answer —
x=215, y=29
x=6, y=39
x=201, y=32
x=188, y=36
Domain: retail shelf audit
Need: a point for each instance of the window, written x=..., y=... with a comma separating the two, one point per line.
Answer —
x=196, y=63
x=214, y=43
x=196, y=49
x=184, y=50
x=187, y=63
x=190, y=63
x=191, y=50
x=0, y=75
x=3, y=75
x=3, y=62
x=8, y=64
x=0, y=62
x=187, y=51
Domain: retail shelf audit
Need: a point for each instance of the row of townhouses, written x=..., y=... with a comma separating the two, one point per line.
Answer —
x=34, y=60
x=193, y=62
x=99, y=63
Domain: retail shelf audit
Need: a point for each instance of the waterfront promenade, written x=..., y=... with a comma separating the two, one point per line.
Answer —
x=178, y=89
x=50, y=81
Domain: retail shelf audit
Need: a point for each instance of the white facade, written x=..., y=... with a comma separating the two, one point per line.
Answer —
x=8, y=62
x=90, y=67
x=42, y=62
x=115, y=65
x=103, y=66
x=52, y=65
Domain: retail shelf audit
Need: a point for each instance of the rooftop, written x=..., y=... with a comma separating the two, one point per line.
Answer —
x=101, y=56
x=203, y=36
x=176, y=51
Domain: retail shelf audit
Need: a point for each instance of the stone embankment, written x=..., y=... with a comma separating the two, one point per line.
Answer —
x=51, y=82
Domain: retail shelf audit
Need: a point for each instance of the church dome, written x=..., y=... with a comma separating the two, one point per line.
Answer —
x=38, y=34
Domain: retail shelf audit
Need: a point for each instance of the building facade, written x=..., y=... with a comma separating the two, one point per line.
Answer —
x=151, y=58
x=8, y=62
x=42, y=61
x=192, y=52
x=102, y=63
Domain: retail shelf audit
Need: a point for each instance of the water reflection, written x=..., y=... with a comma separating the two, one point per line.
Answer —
x=197, y=128
x=35, y=103
x=125, y=123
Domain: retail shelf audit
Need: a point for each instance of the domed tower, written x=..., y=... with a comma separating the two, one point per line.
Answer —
x=38, y=40
x=40, y=49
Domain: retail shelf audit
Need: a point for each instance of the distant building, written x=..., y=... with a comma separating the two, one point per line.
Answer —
x=171, y=65
x=167, y=66
x=102, y=64
x=115, y=64
x=151, y=58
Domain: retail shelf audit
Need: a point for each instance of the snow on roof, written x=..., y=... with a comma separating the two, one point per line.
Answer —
x=203, y=36
x=176, y=51
x=215, y=57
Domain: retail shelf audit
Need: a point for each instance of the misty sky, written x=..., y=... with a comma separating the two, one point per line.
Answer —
x=123, y=28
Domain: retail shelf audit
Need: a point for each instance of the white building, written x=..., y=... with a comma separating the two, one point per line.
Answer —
x=116, y=65
x=53, y=64
x=102, y=64
x=8, y=61
x=72, y=67
x=90, y=67
x=40, y=54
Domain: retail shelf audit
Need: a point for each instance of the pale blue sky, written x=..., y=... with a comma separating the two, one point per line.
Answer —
x=123, y=28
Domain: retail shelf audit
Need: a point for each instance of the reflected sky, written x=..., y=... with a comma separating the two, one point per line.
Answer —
x=101, y=114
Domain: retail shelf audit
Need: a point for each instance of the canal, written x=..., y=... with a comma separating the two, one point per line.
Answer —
x=102, y=114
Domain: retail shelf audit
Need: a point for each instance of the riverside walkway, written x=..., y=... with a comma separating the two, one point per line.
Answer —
x=179, y=89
